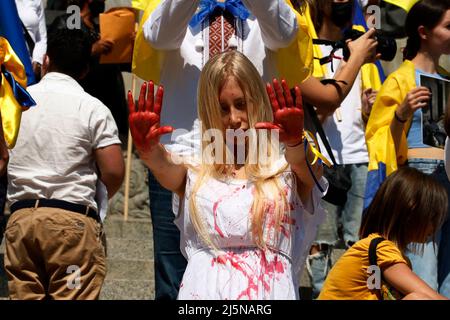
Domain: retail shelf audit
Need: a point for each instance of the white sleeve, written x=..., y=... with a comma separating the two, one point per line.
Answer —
x=277, y=21
x=166, y=27
x=40, y=47
x=103, y=128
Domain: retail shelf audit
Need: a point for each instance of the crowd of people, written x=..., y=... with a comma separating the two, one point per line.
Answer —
x=264, y=149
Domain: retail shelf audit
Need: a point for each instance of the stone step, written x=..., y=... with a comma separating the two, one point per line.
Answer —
x=129, y=269
x=128, y=290
x=133, y=229
x=129, y=249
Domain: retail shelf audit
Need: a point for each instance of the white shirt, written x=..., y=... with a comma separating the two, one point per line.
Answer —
x=240, y=270
x=31, y=13
x=271, y=26
x=345, y=128
x=54, y=154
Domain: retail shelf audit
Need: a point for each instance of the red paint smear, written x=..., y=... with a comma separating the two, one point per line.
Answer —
x=268, y=272
x=215, y=207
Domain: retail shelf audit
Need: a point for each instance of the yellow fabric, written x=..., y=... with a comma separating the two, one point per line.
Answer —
x=379, y=140
x=347, y=279
x=147, y=61
x=295, y=63
x=11, y=110
x=313, y=146
x=140, y=4
x=404, y=4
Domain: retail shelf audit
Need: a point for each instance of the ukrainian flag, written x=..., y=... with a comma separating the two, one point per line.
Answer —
x=11, y=29
x=13, y=97
x=295, y=63
x=383, y=157
x=13, y=77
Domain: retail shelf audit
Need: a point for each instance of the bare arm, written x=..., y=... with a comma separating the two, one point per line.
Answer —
x=110, y=163
x=146, y=131
x=401, y=277
x=327, y=98
x=415, y=99
x=169, y=173
x=289, y=121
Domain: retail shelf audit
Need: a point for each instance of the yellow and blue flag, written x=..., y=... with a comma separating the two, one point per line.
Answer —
x=383, y=157
x=13, y=96
x=11, y=29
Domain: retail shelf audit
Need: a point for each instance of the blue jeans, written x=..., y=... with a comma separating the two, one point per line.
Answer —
x=319, y=264
x=433, y=266
x=170, y=264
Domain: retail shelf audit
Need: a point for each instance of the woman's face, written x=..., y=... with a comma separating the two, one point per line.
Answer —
x=438, y=38
x=233, y=106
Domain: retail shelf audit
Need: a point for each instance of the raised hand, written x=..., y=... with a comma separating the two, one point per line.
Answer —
x=288, y=118
x=145, y=122
x=416, y=98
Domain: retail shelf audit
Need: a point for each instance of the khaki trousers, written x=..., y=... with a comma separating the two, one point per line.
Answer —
x=53, y=253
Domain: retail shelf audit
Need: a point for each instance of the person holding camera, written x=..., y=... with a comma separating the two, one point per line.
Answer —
x=394, y=130
x=344, y=130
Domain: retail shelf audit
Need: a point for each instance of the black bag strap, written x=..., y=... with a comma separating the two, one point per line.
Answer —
x=316, y=122
x=28, y=39
x=373, y=258
x=373, y=250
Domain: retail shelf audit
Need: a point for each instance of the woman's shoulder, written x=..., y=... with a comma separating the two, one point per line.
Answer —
x=387, y=251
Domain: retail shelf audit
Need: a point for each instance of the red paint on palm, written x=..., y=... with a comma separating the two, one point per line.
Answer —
x=144, y=122
x=288, y=117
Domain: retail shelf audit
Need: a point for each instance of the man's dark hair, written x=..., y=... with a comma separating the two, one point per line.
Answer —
x=69, y=52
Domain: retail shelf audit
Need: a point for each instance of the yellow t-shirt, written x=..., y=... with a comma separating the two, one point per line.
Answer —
x=347, y=280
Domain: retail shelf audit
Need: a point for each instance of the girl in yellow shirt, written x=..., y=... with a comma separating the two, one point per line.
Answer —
x=408, y=208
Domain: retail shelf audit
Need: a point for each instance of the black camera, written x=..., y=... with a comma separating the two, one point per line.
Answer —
x=386, y=45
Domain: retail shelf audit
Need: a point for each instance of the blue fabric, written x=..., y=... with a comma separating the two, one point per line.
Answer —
x=374, y=180
x=21, y=95
x=170, y=264
x=207, y=7
x=11, y=29
x=358, y=19
x=415, y=133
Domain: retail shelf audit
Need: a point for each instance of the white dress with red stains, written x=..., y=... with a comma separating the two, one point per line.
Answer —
x=240, y=270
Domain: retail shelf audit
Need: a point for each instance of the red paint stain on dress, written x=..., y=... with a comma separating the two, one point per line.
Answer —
x=264, y=276
x=216, y=206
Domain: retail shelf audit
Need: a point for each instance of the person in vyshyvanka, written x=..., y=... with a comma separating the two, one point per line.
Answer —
x=184, y=35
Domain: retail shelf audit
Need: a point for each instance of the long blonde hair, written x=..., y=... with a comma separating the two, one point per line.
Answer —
x=212, y=79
